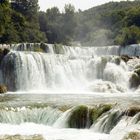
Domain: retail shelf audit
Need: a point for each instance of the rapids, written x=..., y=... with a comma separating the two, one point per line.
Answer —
x=67, y=69
x=68, y=93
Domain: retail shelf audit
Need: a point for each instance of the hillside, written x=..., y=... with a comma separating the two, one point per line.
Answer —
x=109, y=24
x=113, y=23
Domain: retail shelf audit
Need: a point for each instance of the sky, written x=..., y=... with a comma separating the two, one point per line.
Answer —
x=79, y=4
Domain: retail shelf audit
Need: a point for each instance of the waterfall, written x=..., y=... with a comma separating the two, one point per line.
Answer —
x=30, y=71
x=46, y=116
x=62, y=68
x=106, y=123
x=37, y=67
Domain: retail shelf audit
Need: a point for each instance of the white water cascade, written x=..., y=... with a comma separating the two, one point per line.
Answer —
x=65, y=70
x=75, y=70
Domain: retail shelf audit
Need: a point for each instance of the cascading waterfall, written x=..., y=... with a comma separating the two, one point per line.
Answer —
x=77, y=68
x=74, y=117
x=45, y=116
x=63, y=69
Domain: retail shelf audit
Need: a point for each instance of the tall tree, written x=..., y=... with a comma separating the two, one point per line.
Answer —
x=69, y=23
x=4, y=15
x=28, y=9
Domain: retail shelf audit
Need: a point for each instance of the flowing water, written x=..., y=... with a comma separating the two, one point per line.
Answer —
x=69, y=93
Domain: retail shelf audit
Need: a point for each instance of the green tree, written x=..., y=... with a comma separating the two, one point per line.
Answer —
x=54, y=24
x=28, y=20
x=69, y=24
x=128, y=35
x=4, y=16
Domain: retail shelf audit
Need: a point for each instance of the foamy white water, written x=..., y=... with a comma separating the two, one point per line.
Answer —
x=32, y=71
x=95, y=76
x=50, y=133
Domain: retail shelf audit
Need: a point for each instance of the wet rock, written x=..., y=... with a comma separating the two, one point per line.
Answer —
x=126, y=58
x=44, y=47
x=117, y=61
x=58, y=49
x=134, y=80
x=133, y=111
x=84, y=117
x=97, y=112
x=132, y=136
x=106, y=87
x=78, y=118
x=3, y=89
x=3, y=52
x=21, y=137
x=137, y=67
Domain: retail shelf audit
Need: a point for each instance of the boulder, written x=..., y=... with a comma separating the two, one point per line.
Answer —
x=84, y=117
x=78, y=118
x=44, y=47
x=132, y=111
x=126, y=58
x=134, y=80
x=132, y=136
x=3, y=52
x=98, y=111
x=3, y=89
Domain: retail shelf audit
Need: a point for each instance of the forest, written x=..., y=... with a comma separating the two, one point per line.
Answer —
x=113, y=23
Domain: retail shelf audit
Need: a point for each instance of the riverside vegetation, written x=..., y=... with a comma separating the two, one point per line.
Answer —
x=108, y=24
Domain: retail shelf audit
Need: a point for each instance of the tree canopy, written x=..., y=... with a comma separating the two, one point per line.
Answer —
x=111, y=23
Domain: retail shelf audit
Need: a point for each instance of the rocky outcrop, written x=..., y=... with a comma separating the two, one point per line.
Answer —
x=84, y=117
x=3, y=89
x=132, y=136
x=21, y=137
x=78, y=118
x=132, y=111
x=126, y=58
x=3, y=52
x=135, y=78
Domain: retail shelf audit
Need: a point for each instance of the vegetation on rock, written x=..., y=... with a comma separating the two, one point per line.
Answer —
x=78, y=118
x=3, y=52
x=132, y=136
x=133, y=111
x=83, y=116
x=97, y=112
x=3, y=89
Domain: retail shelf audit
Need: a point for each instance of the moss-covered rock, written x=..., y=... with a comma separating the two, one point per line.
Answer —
x=137, y=71
x=117, y=60
x=79, y=117
x=3, y=52
x=101, y=66
x=132, y=136
x=97, y=112
x=134, y=80
x=3, y=89
x=125, y=58
x=21, y=137
x=38, y=50
x=137, y=67
x=84, y=117
x=44, y=47
x=58, y=49
x=133, y=111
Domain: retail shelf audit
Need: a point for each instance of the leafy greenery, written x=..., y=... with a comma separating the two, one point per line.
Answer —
x=19, y=22
x=111, y=23
x=59, y=27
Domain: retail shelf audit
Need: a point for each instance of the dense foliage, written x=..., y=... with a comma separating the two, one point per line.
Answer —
x=108, y=24
x=111, y=23
x=59, y=27
x=19, y=22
